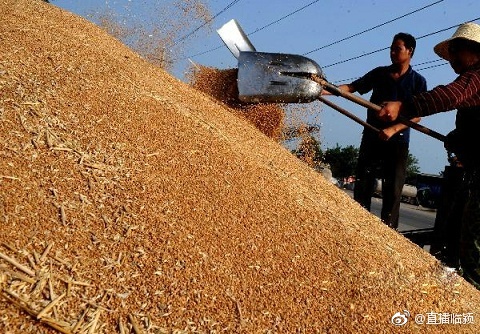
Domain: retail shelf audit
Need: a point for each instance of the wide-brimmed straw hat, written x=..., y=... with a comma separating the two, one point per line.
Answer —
x=469, y=31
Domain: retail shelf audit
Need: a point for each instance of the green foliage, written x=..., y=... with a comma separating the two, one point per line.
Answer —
x=412, y=168
x=342, y=160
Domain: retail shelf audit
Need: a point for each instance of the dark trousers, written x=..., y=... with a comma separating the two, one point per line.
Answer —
x=386, y=160
x=470, y=233
x=445, y=244
x=456, y=239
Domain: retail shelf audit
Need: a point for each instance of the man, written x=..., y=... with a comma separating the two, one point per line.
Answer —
x=463, y=94
x=386, y=153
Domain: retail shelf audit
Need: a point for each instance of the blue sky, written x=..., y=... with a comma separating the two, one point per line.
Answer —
x=322, y=23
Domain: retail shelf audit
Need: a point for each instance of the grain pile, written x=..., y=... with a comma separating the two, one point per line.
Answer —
x=222, y=85
x=132, y=203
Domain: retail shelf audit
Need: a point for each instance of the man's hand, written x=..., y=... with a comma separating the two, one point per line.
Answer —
x=387, y=133
x=390, y=111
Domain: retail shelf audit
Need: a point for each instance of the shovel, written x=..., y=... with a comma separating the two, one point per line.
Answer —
x=235, y=38
x=288, y=78
x=267, y=80
x=237, y=42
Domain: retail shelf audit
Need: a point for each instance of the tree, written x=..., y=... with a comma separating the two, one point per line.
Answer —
x=342, y=160
x=412, y=168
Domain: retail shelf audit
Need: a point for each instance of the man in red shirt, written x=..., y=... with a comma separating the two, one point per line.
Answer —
x=463, y=94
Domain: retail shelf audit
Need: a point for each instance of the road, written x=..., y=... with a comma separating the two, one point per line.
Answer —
x=412, y=217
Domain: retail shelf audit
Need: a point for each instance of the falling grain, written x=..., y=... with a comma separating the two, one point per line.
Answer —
x=222, y=85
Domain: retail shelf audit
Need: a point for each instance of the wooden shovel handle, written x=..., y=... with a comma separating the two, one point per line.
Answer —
x=367, y=104
x=348, y=114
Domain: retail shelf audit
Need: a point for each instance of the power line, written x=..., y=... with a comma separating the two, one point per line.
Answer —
x=258, y=29
x=284, y=17
x=428, y=67
x=375, y=27
x=386, y=48
x=445, y=29
x=202, y=53
x=415, y=65
x=205, y=23
x=356, y=57
x=325, y=46
x=428, y=62
x=349, y=37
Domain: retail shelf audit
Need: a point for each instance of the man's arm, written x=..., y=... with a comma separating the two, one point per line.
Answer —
x=346, y=88
x=387, y=133
x=460, y=93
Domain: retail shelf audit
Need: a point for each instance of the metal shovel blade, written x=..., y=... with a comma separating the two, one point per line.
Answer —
x=263, y=77
x=235, y=38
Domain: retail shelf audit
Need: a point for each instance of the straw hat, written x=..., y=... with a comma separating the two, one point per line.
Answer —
x=469, y=31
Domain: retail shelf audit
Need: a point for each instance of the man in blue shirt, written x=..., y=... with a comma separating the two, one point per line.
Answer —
x=386, y=152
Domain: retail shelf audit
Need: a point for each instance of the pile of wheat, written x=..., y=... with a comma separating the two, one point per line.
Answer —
x=131, y=202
